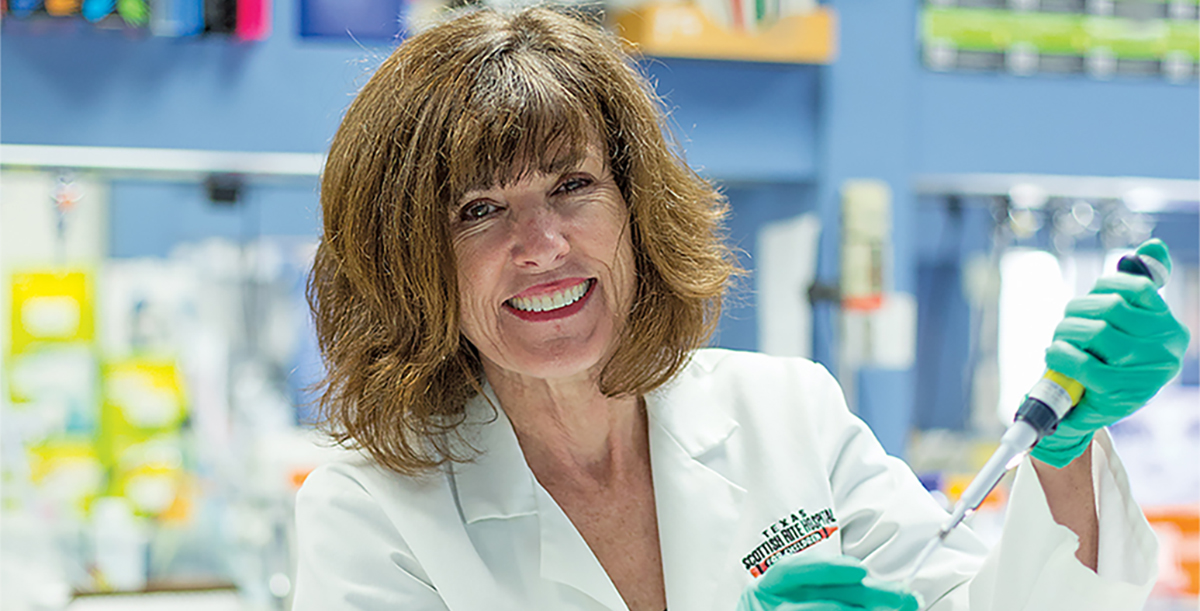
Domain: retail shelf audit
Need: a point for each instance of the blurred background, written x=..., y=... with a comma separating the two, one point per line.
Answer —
x=917, y=188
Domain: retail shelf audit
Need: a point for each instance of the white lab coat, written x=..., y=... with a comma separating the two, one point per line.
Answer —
x=743, y=447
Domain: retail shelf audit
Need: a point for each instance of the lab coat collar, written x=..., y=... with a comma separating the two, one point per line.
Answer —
x=688, y=409
x=498, y=484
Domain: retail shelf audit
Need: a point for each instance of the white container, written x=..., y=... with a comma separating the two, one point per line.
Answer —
x=120, y=544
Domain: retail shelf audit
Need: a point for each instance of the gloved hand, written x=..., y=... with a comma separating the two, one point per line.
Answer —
x=1122, y=343
x=805, y=582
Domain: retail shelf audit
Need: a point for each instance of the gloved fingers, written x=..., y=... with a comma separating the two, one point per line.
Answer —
x=1087, y=418
x=1116, y=347
x=812, y=570
x=1115, y=310
x=1100, y=410
x=1102, y=378
x=1138, y=291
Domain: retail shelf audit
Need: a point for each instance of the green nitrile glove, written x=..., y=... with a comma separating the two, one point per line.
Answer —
x=1122, y=343
x=806, y=582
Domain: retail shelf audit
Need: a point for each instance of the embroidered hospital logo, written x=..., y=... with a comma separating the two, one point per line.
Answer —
x=793, y=533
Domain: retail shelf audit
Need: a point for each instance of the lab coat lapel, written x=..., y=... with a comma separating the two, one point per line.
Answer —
x=499, y=485
x=567, y=559
x=698, y=508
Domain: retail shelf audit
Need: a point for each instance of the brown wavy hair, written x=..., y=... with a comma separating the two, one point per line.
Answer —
x=481, y=99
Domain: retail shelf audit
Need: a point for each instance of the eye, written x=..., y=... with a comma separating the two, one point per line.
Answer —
x=573, y=184
x=477, y=210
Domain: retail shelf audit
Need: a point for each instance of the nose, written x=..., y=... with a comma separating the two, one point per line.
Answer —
x=540, y=241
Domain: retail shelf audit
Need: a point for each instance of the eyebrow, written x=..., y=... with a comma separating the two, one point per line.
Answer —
x=561, y=164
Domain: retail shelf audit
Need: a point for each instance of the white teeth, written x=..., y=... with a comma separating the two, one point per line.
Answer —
x=553, y=301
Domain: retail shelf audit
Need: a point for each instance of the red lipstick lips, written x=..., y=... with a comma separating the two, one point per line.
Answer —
x=557, y=313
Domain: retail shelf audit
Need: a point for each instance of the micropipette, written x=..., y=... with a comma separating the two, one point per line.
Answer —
x=1048, y=402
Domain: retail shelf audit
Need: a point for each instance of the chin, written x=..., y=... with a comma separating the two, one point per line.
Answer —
x=562, y=368
x=556, y=363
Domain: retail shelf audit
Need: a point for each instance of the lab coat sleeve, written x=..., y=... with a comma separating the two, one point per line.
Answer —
x=1039, y=554
x=349, y=554
x=886, y=518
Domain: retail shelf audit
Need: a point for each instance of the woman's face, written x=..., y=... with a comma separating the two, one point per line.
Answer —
x=545, y=270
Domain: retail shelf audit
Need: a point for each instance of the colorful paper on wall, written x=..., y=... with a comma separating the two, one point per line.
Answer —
x=1184, y=37
x=51, y=372
x=59, y=384
x=67, y=472
x=1070, y=41
x=51, y=368
x=150, y=475
x=140, y=442
x=50, y=307
x=142, y=396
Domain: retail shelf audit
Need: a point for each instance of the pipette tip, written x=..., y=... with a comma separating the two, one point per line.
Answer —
x=923, y=557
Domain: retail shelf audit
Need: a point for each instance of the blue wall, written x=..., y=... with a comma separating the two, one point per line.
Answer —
x=150, y=218
x=1056, y=125
x=70, y=85
x=79, y=86
x=783, y=138
x=867, y=131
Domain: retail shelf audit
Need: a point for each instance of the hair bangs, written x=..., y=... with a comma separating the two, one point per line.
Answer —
x=517, y=121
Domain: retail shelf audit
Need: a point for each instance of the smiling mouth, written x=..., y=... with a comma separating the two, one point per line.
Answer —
x=553, y=301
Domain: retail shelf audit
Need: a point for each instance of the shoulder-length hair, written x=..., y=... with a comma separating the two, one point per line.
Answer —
x=481, y=99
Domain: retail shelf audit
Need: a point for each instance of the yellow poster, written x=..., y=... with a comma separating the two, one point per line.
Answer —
x=143, y=409
x=51, y=308
x=66, y=472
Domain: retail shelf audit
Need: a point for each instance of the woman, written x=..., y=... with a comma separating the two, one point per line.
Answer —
x=516, y=275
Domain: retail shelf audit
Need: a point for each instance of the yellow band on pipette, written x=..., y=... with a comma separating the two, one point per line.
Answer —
x=1073, y=388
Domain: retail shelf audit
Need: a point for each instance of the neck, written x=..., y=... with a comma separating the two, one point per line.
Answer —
x=570, y=433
